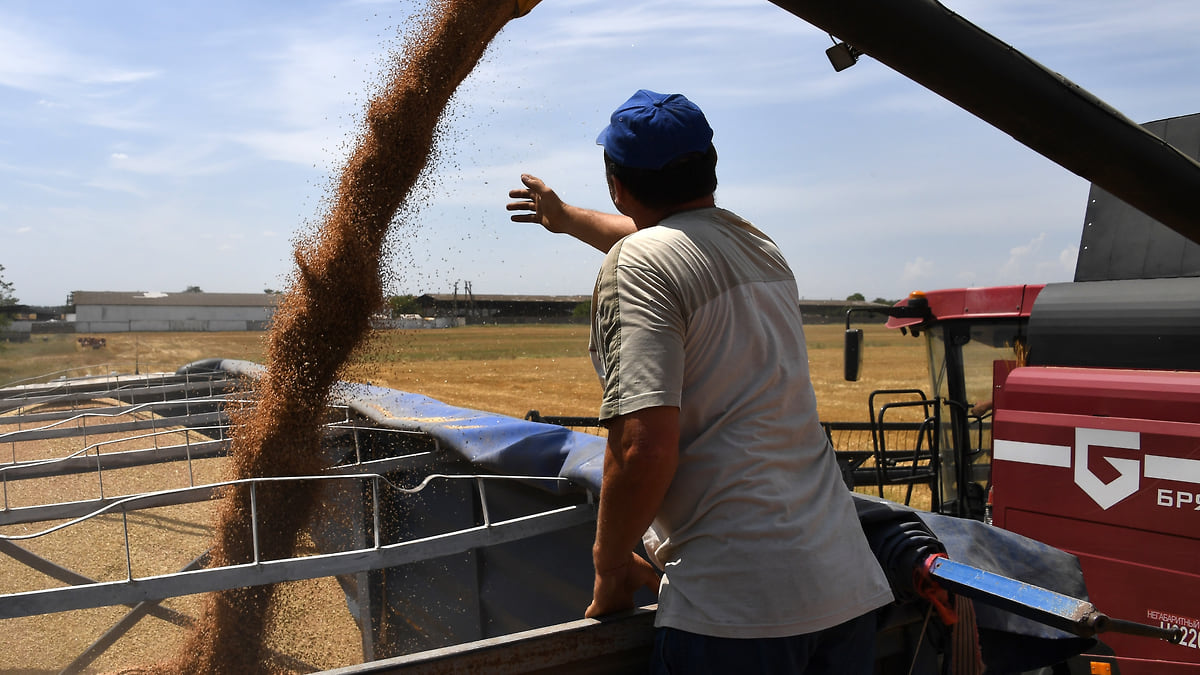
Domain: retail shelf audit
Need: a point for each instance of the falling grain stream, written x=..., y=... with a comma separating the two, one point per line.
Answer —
x=322, y=319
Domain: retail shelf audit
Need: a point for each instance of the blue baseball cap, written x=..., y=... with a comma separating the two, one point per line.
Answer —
x=651, y=129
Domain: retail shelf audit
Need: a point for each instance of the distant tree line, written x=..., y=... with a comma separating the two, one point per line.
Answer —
x=7, y=299
x=859, y=297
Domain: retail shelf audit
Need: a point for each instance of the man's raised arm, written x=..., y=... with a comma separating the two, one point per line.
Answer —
x=541, y=205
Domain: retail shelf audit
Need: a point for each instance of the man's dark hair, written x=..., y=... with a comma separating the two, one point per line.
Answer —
x=683, y=179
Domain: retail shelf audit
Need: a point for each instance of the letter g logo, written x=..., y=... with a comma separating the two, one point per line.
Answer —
x=1107, y=494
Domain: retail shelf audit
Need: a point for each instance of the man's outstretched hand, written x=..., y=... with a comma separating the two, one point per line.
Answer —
x=539, y=204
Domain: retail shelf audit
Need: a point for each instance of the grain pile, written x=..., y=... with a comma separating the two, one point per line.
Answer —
x=323, y=318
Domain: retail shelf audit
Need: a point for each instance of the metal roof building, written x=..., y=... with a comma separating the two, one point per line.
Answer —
x=118, y=312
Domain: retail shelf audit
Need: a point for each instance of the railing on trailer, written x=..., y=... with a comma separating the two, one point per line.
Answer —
x=369, y=561
x=134, y=588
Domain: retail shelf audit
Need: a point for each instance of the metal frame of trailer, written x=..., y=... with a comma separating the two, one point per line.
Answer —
x=376, y=467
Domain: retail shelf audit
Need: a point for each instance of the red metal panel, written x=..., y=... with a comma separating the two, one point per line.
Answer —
x=1106, y=464
x=994, y=302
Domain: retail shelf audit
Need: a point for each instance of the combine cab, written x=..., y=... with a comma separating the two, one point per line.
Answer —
x=1070, y=413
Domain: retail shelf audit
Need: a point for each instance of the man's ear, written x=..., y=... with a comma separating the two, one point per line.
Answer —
x=616, y=190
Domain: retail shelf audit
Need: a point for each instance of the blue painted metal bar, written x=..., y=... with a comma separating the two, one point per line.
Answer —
x=1053, y=609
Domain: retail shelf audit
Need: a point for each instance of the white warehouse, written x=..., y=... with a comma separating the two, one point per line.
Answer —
x=116, y=312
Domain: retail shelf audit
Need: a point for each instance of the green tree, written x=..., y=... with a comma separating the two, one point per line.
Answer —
x=403, y=304
x=856, y=297
x=7, y=299
x=193, y=289
x=582, y=311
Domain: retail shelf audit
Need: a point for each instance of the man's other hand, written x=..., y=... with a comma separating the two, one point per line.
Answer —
x=614, y=588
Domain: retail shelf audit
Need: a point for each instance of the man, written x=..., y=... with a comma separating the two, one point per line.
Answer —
x=715, y=457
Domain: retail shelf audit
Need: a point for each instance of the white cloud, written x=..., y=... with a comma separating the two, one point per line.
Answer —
x=80, y=86
x=118, y=185
x=307, y=147
x=27, y=62
x=49, y=189
x=1068, y=257
x=1061, y=268
x=1031, y=262
x=917, y=269
x=114, y=76
x=195, y=157
x=1019, y=256
x=34, y=59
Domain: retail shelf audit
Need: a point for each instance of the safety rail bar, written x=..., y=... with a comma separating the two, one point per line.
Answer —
x=134, y=589
x=62, y=391
x=58, y=428
x=83, y=460
x=21, y=419
x=66, y=510
x=83, y=417
x=35, y=378
x=40, y=468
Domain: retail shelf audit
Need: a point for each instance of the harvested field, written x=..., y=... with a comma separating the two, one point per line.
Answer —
x=506, y=369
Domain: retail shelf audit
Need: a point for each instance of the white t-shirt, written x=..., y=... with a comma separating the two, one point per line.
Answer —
x=757, y=535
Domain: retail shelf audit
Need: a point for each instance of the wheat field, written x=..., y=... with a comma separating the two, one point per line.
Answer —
x=506, y=369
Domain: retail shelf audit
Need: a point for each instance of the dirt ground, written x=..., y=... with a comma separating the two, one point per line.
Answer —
x=504, y=369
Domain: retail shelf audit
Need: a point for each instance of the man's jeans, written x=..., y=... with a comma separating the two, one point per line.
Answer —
x=846, y=649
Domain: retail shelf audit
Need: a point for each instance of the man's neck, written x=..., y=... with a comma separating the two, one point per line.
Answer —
x=650, y=217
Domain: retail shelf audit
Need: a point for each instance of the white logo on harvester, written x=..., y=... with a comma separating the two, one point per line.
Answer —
x=1107, y=494
x=1128, y=478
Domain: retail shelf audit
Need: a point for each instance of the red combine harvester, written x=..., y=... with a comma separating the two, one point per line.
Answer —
x=1070, y=413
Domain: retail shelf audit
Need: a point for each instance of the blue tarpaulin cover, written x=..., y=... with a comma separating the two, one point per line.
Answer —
x=494, y=442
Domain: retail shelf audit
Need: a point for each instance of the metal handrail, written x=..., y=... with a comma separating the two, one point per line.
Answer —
x=137, y=408
x=188, y=445
x=253, y=482
x=53, y=373
x=258, y=572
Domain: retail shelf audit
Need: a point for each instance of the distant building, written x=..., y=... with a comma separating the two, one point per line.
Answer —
x=116, y=312
x=834, y=311
x=563, y=308
x=17, y=322
x=504, y=308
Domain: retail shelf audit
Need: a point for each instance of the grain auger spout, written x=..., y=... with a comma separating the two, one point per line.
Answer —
x=523, y=7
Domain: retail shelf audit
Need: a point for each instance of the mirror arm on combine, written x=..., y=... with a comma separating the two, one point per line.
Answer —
x=913, y=308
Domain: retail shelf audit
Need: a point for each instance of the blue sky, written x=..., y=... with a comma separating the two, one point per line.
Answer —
x=154, y=146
